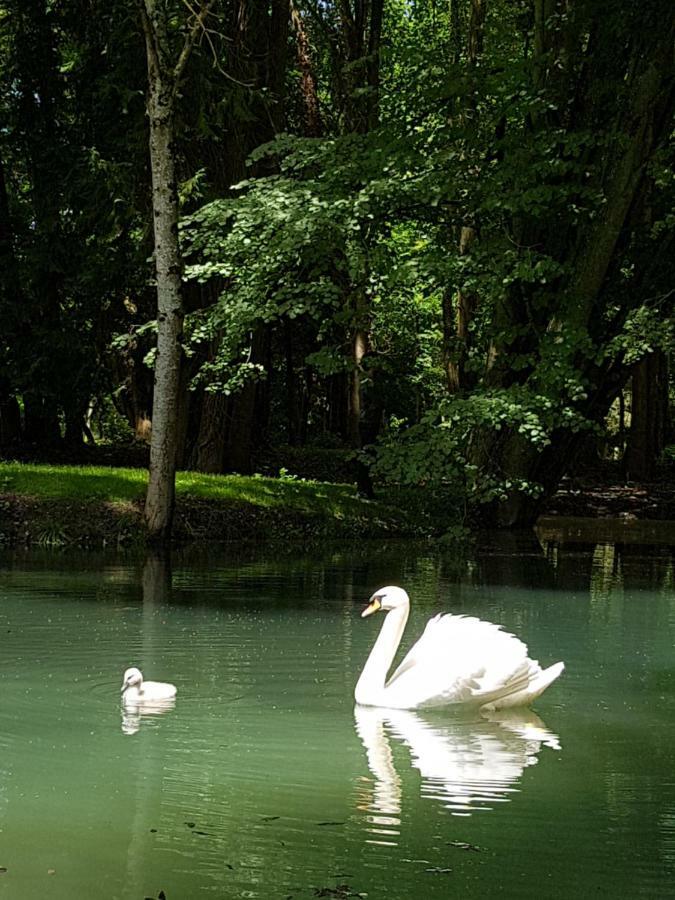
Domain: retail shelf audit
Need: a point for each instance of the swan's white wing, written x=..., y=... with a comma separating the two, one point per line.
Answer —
x=461, y=659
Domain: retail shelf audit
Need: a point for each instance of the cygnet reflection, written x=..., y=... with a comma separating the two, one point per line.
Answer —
x=466, y=765
x=135, y=714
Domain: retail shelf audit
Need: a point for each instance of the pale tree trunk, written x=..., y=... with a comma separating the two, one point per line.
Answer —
x=164, y=75
x=159, y=501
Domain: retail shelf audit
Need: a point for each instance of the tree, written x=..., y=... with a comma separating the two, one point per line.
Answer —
x=611, y=112
x=563, y=178
x=451, y=223
x=70, y=243
x=165, y=73
x=649, y=416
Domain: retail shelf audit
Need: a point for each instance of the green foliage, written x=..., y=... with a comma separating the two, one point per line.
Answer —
x=357, y=231
x=646, y=329
x=490, y=232
x=303, y=244
x=436, y=450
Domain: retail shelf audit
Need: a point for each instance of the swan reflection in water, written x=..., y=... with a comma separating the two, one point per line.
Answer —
x=135, y=714
x=467, y=765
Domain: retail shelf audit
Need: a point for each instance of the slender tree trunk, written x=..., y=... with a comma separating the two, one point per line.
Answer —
x=10, y=302
x=159, y=501
x=292, y=400
x=361, y=33
x=308, y=85
x=260, y=46
x=337, y=391
x=164, y=75
x=455, y=31
x=359, y=348
x=74, y=416
x=457, y=333
x=458, y=313
x=210, y=448
x=361, y=22
x=649, y=412
x=248, y=423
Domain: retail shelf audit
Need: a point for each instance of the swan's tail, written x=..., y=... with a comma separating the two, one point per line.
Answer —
x=533, y=689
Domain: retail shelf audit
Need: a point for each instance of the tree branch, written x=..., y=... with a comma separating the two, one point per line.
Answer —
x=198, y=25
x=190, y=40
x=150, y=35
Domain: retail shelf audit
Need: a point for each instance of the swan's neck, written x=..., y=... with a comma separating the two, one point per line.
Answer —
x=374, y=674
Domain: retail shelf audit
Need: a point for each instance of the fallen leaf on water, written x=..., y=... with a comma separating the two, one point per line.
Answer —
x=341, y=891
x=463, y=845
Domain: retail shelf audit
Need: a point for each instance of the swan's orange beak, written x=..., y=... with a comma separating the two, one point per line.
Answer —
x=373, y=607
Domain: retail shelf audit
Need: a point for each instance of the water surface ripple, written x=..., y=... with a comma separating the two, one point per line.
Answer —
x=263, y=780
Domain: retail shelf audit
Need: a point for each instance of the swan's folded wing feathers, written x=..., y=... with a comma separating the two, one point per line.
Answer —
x=462, y=658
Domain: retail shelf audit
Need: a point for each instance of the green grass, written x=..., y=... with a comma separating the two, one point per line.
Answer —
x=59, y=505
x=81, y=483
x=99, y=483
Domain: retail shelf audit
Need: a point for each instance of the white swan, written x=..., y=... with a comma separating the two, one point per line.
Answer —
x=458, y=659
x=136, y=692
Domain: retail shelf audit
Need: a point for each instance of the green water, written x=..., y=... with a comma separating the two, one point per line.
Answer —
x=263, y=782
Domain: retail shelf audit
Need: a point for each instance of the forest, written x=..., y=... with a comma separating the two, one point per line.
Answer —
x=425, y=243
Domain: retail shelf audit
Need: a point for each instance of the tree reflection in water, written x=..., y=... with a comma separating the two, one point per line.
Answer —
x=157, y=587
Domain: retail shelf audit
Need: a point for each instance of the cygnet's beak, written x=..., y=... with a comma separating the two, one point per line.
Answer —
x=373, y=607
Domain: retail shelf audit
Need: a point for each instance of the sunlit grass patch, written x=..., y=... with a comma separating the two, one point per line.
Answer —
x=86, y=483
x=269, y=492
x=54, y=505
x=52, y=482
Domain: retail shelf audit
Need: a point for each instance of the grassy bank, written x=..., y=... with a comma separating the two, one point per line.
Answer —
x=101, y=506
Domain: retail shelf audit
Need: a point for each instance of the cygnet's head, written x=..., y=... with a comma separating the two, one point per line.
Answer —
x=132, y=678
x=386, y=598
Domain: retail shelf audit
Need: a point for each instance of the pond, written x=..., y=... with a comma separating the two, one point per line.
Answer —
x=264, y=781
